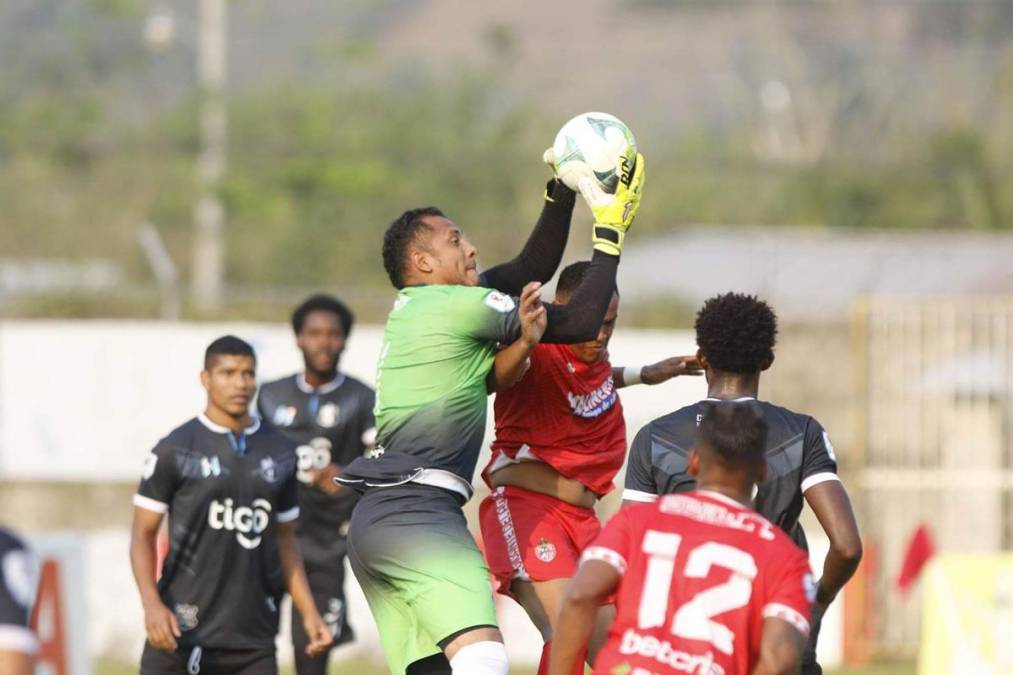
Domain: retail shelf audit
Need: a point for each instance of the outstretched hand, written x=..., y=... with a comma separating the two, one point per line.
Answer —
x=666, y=369
x=533, y=316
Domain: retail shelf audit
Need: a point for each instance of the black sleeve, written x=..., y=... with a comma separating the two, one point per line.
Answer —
x=159, y=479
x=640, y=485
x=819, y=462
x=18, y=578
x=543, y=251
x=580, y=319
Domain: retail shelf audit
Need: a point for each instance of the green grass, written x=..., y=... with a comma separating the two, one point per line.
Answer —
x=360, y=667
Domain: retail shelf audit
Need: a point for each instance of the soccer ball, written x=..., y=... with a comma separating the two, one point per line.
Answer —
x=596, y=144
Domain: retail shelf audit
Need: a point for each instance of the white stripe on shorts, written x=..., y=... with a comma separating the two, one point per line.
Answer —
x=506, y=523
x=193, y=663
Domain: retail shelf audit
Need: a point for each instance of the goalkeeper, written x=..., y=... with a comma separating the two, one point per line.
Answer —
x=408, y=544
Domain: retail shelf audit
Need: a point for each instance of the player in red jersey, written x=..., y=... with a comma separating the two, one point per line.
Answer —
x=560, y=440
x=705, y=584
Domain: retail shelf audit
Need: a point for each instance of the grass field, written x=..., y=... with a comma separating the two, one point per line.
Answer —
x=368, y=668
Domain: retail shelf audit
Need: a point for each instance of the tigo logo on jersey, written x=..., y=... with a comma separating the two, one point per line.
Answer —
x=243, y=520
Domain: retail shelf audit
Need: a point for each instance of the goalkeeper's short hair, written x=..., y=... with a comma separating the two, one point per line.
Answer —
x=398, y=239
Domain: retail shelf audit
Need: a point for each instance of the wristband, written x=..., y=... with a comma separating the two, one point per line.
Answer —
x=632, y=375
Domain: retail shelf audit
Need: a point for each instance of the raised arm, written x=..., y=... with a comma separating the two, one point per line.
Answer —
x=580, y=319
x=543, y=251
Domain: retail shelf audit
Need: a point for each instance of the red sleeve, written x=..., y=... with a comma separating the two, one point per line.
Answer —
x=614, y=544
x=791, y=590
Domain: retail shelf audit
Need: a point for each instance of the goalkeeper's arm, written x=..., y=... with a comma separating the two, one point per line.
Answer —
x=580, y=319
x=543, y=251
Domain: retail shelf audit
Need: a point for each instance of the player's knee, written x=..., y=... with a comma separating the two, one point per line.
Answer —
x=480, y=658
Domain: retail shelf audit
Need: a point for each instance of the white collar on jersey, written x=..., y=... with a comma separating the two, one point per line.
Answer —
x=219, y=429
x=325, y=388
x=722, y=498
x=730, y=400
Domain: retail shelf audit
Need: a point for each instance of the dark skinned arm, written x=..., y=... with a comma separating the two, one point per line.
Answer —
x=829, y=501
x=780, y=648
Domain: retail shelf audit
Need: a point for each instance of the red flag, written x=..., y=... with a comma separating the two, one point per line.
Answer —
x=920, y=550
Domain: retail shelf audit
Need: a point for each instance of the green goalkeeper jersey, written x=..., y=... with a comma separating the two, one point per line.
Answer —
x=439, y=345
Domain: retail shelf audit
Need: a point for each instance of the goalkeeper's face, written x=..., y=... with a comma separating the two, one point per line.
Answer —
x=445, y=256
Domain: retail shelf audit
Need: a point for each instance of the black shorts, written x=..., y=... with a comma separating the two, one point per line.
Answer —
x=208, y=661
x=327, y=585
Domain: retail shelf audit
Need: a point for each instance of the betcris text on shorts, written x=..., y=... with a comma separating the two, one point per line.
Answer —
x=248, y=522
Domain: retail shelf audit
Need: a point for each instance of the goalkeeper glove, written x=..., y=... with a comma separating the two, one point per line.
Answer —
x=613, y=214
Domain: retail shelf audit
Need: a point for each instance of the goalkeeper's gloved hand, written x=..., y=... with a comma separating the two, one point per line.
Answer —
x=613, y=214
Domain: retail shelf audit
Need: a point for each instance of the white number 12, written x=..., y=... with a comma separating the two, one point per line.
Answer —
x=693, y=620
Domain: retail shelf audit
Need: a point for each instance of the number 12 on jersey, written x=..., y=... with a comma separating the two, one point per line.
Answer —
x=693, y=620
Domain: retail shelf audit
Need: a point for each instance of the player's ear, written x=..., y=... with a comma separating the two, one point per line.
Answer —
x=767, y=364
x=420, y=260
x=702, y=360
x=205, y=379
x=693, y=466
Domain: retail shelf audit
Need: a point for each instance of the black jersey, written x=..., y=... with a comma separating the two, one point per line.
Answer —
x=799, y=455
x=225, y=494
x=332, y=424
x=17, y=592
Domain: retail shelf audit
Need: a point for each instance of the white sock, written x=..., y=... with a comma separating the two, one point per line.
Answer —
x=480, y=658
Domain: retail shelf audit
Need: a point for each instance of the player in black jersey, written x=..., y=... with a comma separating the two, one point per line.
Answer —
x=17, y=592
x=229, y=487
x=735, y=335
x=330, y=416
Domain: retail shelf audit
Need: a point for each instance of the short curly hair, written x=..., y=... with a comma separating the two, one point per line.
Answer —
x=736, y=333
x=399, y=237
x=323, y=303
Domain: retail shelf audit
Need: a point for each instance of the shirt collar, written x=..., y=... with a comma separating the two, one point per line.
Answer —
x=722, y=498
x=325, y=388
x=730, y=400
x=219, y=429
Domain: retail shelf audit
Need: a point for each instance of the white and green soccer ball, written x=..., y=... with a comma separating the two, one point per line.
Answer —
x=594, y=144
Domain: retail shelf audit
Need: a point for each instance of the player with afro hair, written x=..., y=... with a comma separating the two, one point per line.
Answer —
x=735, y=336
x=736, y=333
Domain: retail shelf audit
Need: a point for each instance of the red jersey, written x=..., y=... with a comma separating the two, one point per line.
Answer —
x=563, y=412
x=700, y=573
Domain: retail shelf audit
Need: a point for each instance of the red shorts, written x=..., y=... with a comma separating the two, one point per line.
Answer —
x=533, y=537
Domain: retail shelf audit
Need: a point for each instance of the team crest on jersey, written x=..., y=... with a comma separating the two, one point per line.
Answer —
x=500, y=302
x=268, y=470
x=187, y=616
x=328, y=415
x=545, y=551
x=284, y=416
